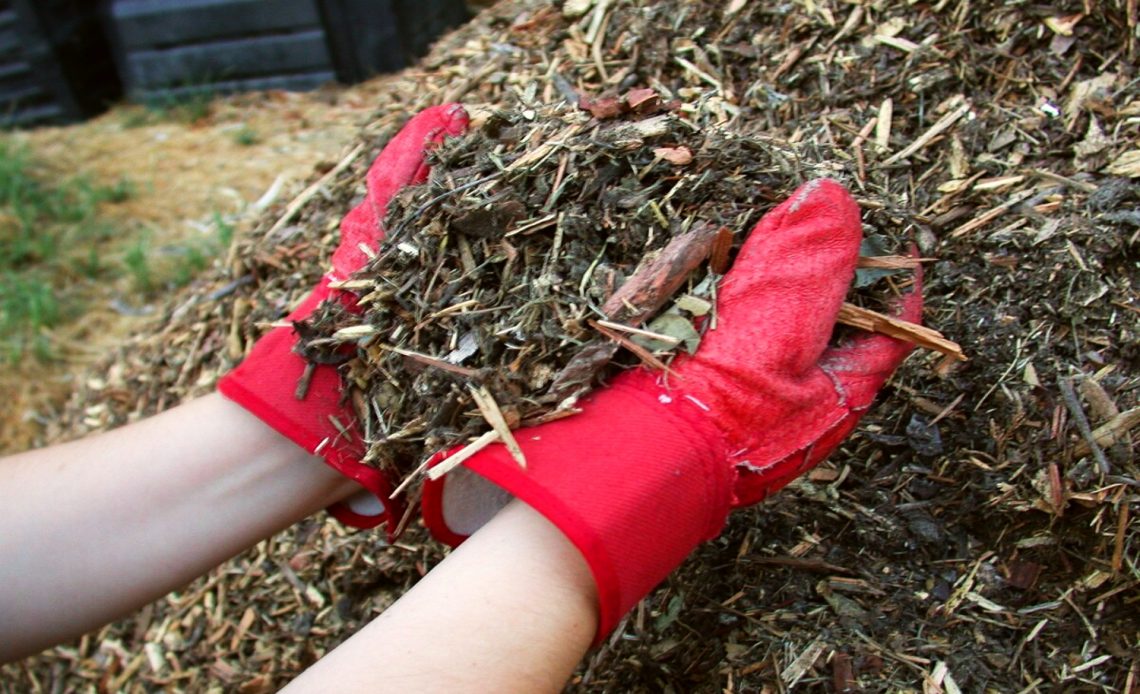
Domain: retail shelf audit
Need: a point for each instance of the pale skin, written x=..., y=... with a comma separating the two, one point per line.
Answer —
x=97, y=528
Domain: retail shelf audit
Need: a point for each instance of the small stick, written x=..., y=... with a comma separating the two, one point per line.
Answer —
x=641, y=353
x=1111, y=432
x=856, y=317
x=891, y=262
x=552, y=416
x=494, y=416
x=991, y=215
x=883, y=128
x=857, y=146
x=432, y=361
x=935, y=130
x=668, y=339
x=409, y=510
x=1118, y=544
x=303, y=382
x=410, y=478
x=462, y=455
x=1070, y=397
x=946, y=410
x=303, y=199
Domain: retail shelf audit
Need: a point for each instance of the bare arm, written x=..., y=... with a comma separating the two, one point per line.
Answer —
x=98, y=527
x=513, y=609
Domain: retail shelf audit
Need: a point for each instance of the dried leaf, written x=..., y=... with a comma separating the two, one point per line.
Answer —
x=1063, y=26
x=678, y=156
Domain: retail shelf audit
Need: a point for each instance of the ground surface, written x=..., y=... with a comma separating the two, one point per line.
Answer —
x=183, y=165
x=968, y=538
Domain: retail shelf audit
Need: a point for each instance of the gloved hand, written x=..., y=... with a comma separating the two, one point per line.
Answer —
x=265, y=383
x=654, y=462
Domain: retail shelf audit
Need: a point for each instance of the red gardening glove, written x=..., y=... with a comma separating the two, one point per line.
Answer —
x=653, y=464
x=266, y=382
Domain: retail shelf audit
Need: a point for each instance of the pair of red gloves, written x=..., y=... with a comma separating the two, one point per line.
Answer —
x=649, y=469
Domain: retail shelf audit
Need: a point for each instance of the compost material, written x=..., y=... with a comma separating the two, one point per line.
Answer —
x=978, y=533
x=543, y=239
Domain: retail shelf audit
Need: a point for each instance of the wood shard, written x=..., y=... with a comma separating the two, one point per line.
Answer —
x=891, y=262
x=927, y=137
x=655, y=281
x=1114, y=431
x=462, y=455
x=494, y=416
x=865, y=319
x=721, y=247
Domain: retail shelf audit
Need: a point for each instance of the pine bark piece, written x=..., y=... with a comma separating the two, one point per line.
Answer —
x=643, y=294
x=655, y=281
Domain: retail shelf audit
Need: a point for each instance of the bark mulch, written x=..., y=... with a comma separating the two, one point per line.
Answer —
x=979, y=532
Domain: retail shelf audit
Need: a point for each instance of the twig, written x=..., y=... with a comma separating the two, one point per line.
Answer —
x=935, y=130
x=991, y=215
x=1070, y=397
x=303, y=199
x=463, y=454
x=494, y=417
x=668, y=339
x=1111, y=432
x=641, y=353
x=432, y=361
x=412, y=476
x=856, y=317
x=891, y=262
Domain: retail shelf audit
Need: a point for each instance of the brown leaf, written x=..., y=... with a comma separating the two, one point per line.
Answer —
x=602, y=109
x=678, y=156
x=643, y=100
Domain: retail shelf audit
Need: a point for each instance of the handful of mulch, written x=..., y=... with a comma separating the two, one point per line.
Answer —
x=542, y=242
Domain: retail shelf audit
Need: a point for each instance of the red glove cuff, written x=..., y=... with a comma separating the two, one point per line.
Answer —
x=265, y=383
x=612, y=478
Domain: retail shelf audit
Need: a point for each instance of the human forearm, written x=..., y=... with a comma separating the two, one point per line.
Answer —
x=98, y=527
x=511, y=610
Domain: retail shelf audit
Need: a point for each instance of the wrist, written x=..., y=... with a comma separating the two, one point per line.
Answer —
x=635, y=482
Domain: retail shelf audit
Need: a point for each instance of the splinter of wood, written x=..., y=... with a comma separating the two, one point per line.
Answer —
x=865, y=319
x=643, y=294
x=494, y=416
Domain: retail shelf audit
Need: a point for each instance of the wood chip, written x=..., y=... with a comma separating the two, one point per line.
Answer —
x=461, y=456
x=927, y=137
x=875, y=322
x=494, y=416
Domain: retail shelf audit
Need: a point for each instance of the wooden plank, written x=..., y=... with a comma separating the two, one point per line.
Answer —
x=203, y=65
x=163, y=23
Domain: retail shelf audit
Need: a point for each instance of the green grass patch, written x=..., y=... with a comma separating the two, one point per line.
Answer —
x=246, y=136
x=154, y=267
x=57, y=253
x=50, y=238
x=188, y=104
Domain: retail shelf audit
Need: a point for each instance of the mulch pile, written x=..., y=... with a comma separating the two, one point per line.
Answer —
x=978, y=532
x=543, y=241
